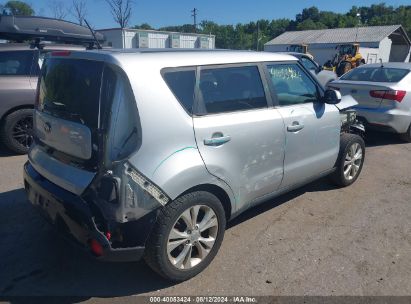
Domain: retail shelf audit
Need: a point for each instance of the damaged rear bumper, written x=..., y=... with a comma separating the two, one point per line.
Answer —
x=81, y=221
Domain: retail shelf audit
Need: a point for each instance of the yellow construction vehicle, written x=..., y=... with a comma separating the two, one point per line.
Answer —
x=347, y=57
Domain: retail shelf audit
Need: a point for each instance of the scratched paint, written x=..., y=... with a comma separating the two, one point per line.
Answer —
x=169, y=156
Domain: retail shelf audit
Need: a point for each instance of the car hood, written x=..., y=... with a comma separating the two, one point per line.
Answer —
x=346, y=102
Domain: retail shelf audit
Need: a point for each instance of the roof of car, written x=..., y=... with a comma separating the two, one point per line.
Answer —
x=185, y=57
x=294, y=54
x=396, y=65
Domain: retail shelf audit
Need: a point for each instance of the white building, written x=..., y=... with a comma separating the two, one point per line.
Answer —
x=137, y=38
x=388, y=43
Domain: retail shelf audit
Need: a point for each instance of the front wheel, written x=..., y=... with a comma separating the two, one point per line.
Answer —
x=350, y=160
x=187, y=236
x=407, y=135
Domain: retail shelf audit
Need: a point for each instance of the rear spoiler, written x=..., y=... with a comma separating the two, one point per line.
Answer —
x=23, y=28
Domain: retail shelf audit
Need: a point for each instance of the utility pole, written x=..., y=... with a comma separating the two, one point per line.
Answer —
x=358, y=25
x=194, y=15
x=258, y=34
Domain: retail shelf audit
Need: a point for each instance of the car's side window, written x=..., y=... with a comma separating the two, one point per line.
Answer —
x=15, y=63
x=229, y=89
x=182, y=84
x=291, y=84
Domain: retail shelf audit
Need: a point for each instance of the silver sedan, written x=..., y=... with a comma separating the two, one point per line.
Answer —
x=383, y=93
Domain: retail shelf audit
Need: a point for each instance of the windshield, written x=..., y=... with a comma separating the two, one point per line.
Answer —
x=347, y=49
x=376, y=74
x=70, y=89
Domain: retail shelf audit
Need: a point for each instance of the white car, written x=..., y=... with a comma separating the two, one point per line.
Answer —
x=383, y=93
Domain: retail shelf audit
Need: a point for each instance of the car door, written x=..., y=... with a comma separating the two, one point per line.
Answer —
x=312, y=127
x=240, y=138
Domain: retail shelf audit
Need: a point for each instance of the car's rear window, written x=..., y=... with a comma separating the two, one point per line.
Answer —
x=377, y=74
x=16, y=63
x=70, y=89
x=182, y=84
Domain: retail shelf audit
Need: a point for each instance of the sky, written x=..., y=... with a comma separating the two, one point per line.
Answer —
x=159, y=13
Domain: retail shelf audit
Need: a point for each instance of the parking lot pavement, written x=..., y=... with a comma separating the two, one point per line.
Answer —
x=318, y=240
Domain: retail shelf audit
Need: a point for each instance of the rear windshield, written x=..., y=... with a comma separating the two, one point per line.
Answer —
x=377, y=74
x=16, y=63
x=70, y=89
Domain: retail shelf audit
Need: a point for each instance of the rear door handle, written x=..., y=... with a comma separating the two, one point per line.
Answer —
x=296, y=126
x=217, y=141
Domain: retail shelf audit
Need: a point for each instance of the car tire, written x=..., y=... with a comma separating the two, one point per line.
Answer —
x=173, y=249
x=407, y=135
x=350, y=160
x=16, y=130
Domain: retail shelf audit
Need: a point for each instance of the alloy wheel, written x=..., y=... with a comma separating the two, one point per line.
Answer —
x=353, y=160
x=192, y=237
x=22, y=131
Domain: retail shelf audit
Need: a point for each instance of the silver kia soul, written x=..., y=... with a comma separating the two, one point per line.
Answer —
x=149, y=153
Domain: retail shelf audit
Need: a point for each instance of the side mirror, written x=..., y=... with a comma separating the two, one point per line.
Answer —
x=332, y=96
x=319, y=69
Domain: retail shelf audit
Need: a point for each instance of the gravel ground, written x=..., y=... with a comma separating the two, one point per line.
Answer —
x=318, y=240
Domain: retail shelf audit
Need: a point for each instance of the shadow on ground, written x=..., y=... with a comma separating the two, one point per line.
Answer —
x=35, y=261
x=4, y=152
x=374, y=139
x=317, y=186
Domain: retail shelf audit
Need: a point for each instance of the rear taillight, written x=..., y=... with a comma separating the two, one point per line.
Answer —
x=395, y=95
x=60, y=53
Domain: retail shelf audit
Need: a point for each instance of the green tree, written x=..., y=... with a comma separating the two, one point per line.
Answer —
x=185, y=28
x=249, y=35
x=309, y=24
x=312, y=13
x=329, y=19
x=143, y=26
x=18, y=8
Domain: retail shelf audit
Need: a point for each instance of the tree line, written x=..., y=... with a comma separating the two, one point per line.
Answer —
x=252, y=35
x=255, y=34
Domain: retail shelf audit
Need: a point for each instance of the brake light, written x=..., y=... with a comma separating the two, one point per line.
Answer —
x=60, y=53
x=395, y=95
x=96, y=247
